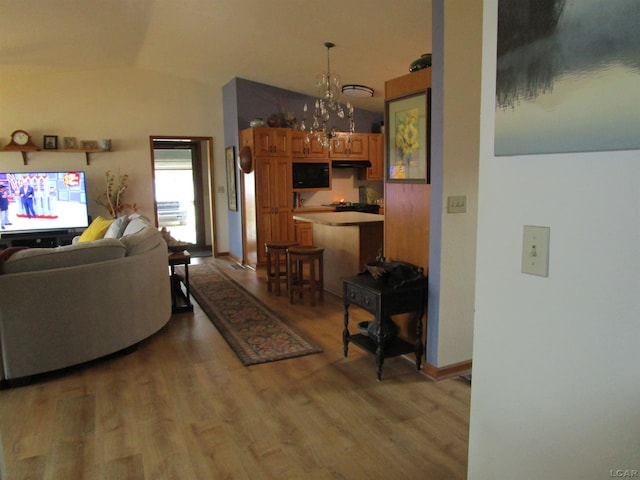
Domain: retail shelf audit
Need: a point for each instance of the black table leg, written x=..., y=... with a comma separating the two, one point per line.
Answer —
x=345, y=332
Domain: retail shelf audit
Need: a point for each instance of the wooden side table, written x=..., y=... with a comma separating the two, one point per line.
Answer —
x=180, y=301
x=384, y=299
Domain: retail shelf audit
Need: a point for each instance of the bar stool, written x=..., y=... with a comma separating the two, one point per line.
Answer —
x=274, y=251
x=297, y=257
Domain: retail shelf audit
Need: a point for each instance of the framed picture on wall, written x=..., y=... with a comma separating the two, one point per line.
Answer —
x=408, y=130
x=230, y=155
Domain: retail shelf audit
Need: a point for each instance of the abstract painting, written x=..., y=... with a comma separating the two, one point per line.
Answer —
x=568, y=76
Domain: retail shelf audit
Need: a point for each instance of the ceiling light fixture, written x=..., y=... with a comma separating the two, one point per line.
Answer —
x=361, y=91
x=329, y=101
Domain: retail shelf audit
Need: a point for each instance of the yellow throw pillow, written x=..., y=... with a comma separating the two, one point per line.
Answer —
x=96, y=230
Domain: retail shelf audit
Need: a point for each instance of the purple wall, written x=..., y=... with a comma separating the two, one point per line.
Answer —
x=231, y=133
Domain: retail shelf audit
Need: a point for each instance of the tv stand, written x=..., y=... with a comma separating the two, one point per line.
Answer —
x=37, y=240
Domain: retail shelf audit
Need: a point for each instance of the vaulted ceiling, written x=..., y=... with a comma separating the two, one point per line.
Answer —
x=276, y=42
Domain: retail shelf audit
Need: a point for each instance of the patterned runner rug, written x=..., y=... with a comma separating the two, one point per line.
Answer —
x=252, y=330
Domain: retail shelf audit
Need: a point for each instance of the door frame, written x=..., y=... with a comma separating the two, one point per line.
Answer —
x=204, y=149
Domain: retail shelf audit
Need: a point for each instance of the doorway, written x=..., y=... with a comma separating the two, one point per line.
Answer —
x=181, y=176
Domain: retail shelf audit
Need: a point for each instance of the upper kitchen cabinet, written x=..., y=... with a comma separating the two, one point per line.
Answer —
x=376, y=157
x=354, y=146
x=272, y=142
x=306, y=145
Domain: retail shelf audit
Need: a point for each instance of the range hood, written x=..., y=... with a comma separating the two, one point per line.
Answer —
x=350, y=163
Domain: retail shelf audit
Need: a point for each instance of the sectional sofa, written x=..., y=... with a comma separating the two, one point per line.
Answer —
x=67, y=305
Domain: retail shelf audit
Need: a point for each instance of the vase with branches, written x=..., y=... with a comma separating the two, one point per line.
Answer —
x=112, y=197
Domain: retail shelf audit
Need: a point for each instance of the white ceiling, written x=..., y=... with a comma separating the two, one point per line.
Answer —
x=276, y=42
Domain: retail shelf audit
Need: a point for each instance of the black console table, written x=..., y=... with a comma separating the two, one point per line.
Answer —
x=180, y=301
x=384, y=299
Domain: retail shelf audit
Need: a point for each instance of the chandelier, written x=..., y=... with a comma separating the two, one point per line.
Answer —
x=328, y=103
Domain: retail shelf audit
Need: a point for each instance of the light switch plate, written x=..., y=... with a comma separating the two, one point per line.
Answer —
x=535, y=250
x=457, y=204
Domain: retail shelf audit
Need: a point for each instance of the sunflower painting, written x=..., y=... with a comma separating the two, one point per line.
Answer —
x=407, y=139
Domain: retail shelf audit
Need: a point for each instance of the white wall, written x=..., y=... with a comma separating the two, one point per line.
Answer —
x=462, y=63
x=456, y=122
x=555, y=368
x=127, y=105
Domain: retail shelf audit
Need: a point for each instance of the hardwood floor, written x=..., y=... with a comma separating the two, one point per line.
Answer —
x=182, y=406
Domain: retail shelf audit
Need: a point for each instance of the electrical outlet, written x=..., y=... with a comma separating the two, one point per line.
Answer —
x=535, y=250
x=457, y=204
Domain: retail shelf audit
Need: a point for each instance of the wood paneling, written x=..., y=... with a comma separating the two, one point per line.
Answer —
x=408, y=84
x=406, y=235
x=406, y=223
x=407, y=205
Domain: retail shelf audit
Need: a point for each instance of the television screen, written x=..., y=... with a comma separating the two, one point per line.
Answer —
x=38, y=201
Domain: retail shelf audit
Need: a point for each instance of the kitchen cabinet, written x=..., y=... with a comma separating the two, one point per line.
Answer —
x=354, y=146
x=274, y=206
x=267, y=191
x=271, y=141
x=306, y=145
x=304, y=233
x=376, y=157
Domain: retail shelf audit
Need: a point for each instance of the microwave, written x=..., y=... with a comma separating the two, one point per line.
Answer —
x=311, y=175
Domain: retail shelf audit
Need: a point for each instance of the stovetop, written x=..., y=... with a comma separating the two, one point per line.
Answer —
x=355, y=207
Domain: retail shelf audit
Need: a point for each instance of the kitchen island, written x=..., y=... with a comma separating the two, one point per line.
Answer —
x=349, y=239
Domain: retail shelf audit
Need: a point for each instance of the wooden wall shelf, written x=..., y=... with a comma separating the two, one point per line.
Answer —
x=87, y=152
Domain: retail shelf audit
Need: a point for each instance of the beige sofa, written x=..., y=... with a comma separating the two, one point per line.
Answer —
x=67, y=305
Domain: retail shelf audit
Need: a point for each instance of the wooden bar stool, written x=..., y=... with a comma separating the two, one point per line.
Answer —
x=297, y=257
x=274, y=251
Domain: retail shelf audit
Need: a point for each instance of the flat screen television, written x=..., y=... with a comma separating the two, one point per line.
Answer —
x=42, y=201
